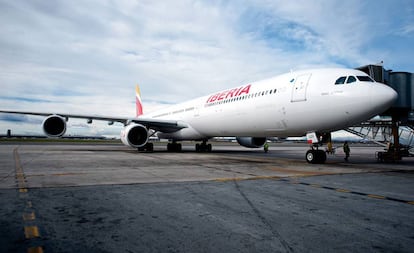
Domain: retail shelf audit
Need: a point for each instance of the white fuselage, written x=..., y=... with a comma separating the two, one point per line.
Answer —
x=292, y=104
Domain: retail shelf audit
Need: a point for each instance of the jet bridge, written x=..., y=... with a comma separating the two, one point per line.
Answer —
x=382, y=133
x=394, y=129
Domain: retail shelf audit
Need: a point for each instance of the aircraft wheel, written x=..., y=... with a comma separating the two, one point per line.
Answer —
x=315, y=156
x=310, y=156
x=203, y=147
x=174, y=147
x=149, y=147
x=322, y=156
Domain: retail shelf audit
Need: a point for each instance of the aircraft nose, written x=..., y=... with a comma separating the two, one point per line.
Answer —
x=385, y=96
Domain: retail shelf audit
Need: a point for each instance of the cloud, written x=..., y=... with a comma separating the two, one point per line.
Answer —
x=86, y=57
x=14, y=118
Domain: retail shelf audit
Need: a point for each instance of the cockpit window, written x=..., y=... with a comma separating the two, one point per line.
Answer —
x=365, y=79
x=340, y=80
x=351, y=79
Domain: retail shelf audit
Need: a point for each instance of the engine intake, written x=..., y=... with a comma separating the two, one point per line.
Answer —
x=134, y=135
x=54, y=126
x=251, y=142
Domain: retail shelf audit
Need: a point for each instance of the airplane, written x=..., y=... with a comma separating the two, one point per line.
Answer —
x=311, y=102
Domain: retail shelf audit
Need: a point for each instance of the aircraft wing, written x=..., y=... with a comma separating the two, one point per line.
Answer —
x=166, y=126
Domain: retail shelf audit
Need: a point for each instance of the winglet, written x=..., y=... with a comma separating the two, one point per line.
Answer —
x=138, y=101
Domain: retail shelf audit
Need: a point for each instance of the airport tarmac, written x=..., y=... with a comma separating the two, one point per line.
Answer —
x=108, y=198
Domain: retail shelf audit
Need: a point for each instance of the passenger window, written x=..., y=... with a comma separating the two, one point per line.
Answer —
x=351, y=79
x=340, y=80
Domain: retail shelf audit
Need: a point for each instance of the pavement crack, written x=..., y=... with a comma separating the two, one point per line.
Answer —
x=274, y=232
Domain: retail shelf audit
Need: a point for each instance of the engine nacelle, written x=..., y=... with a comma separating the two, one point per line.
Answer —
x=134, y=135
x=251, y=142
x=54, y=126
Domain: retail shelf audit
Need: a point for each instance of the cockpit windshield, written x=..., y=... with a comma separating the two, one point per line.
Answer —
x=365, y=79
x=340, y=80
x=352, y=79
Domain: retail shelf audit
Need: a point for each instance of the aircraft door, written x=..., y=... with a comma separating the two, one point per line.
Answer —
x=299, y=88
x=196, y=112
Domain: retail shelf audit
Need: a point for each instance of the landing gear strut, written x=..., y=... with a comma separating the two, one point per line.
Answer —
x=203, y=147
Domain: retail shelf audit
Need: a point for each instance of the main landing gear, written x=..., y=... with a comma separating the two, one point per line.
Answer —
x=174, y=147
x=149, y=147
x=199, y=147
x=315, y=156
x=203, y=147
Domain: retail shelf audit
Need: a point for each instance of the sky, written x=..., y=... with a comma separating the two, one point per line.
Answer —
x=86, y=57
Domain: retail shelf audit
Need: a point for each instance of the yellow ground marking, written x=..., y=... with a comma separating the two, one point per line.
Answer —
x=21, y=181
x=226, y=179
x=316, y=185
x=19, y=175
x=263, y=177
x=342, y=190
x=229, y=179
x=67, y=174
x=31, y=232
x=301, y=173
x=410, y=202
x=22, y=186
x=35, y=250
x=56, y=174
x=17, y=161
x=375, y=196
x=29, y=216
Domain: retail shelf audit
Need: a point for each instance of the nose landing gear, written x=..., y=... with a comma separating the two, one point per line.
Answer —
x=315, y=156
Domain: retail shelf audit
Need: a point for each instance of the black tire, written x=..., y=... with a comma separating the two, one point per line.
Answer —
x=310, y=156
x=174, y=147
x=150, y=147
x=321, y=156
x=315, y=156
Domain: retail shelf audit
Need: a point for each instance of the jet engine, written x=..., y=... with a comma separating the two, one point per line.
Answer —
x=54, y=126
x=134, y=135
x=251, y=142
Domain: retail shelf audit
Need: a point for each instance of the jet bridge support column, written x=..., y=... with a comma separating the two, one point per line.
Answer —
x=396, y=154
x=393, y=152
